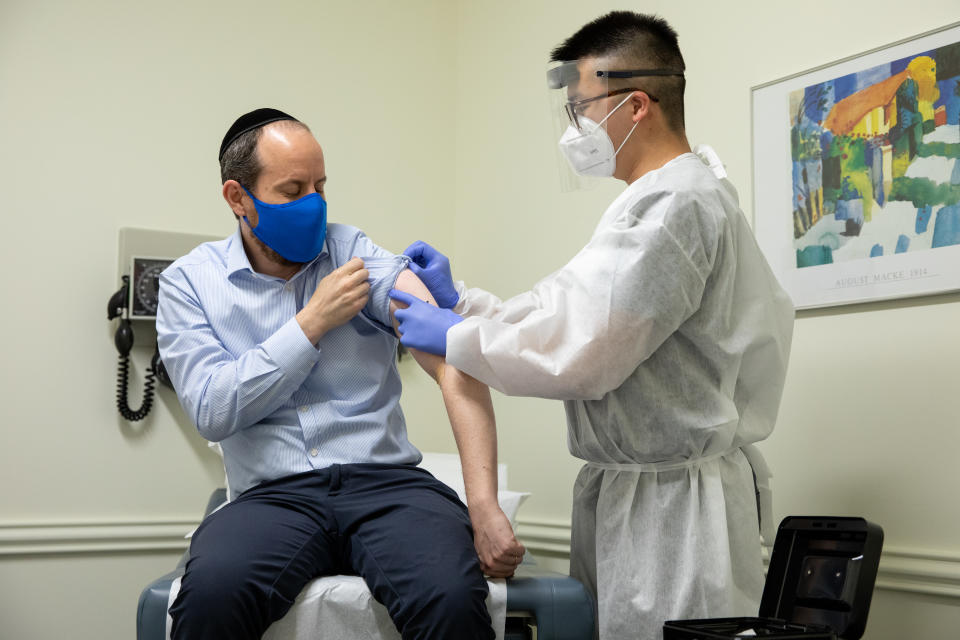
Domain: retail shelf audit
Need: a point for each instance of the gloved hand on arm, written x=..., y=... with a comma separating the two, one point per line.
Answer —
x=421, y=325
x=433, y=268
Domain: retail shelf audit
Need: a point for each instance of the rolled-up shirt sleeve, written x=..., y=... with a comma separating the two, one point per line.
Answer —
x=224, y=394
x=384, y=267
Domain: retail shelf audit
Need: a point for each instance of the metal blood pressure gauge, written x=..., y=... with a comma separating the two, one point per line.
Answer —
x=145, y=285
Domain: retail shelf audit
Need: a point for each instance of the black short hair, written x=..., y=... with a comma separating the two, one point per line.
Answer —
x=636, y=41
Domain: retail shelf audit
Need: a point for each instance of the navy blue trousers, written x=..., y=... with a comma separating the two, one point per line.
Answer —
x=403, y=531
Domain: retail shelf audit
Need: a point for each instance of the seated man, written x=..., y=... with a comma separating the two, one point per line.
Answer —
x=278, y=340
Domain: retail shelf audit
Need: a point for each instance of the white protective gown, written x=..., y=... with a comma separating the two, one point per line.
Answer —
x=667, y=337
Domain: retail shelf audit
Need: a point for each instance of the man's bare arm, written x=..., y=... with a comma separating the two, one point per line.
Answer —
x=470, y=410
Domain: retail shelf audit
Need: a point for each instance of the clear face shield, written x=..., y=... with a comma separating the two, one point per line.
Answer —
x=581, y=102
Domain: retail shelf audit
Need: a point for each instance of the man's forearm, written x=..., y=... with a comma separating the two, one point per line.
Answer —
x=224, y=395
x=469, y=408
x=242, y=393
x=471, y=415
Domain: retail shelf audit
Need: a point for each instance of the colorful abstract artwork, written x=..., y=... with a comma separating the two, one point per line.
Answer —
x=875, y=160
x=856, y=174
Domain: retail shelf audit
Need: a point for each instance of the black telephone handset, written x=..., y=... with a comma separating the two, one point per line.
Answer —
x=123, y=339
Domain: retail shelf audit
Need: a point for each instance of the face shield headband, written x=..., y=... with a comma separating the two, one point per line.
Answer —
x=567, y=74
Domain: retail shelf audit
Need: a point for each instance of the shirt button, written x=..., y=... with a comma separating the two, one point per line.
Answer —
x=314, y=452
x=303, y=409
x=289, y=286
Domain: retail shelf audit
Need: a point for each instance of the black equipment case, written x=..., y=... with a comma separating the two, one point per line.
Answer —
x=818, y=587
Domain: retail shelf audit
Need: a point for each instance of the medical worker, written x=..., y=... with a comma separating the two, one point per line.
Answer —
x=667, y=337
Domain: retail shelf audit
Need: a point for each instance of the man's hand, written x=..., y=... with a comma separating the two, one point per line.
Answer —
x=498, y=549
x=433, y=268
x=337, y=298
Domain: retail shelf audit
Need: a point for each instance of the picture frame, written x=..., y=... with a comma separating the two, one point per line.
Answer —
x=856, y=174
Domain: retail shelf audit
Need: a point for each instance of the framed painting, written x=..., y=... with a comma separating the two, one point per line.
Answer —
x=856, y=174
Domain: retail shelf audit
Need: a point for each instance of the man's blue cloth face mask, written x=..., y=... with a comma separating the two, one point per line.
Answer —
x=296, y=230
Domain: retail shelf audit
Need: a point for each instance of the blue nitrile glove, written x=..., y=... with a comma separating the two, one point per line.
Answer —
x=433, y=268
x=423, y=326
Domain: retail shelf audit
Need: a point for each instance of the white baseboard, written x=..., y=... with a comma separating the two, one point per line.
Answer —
x=904, y=569
x=545, y=536
x=935, y=573
x=94, y=536
x=932, y=573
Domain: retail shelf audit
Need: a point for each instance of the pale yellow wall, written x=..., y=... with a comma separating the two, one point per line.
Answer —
x=433, y=115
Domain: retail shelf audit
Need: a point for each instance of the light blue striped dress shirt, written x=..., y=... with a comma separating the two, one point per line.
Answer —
x=250, y=379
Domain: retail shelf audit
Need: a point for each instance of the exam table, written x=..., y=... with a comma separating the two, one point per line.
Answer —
x=541, y=605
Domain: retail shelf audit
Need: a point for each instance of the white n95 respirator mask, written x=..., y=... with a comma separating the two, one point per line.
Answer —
x=590, y=150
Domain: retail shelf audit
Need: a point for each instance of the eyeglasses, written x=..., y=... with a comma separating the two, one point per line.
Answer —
x=575, y=109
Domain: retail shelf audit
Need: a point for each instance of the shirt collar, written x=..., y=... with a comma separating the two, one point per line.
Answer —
x=237, y=259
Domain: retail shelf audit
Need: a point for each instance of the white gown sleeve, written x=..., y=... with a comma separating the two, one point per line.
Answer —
x=475, y=302
x=580, y=332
